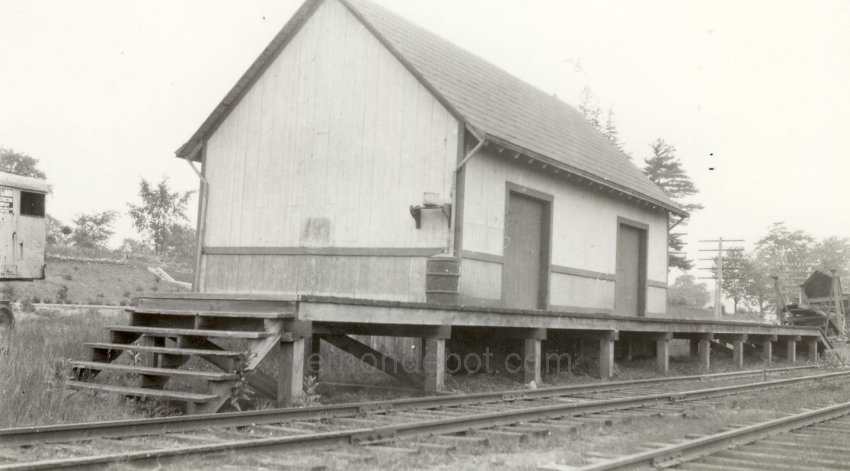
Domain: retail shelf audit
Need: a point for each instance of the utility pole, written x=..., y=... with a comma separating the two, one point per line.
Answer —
x=718, y=271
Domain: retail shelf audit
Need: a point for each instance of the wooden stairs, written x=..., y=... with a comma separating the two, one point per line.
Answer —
x=153, y=352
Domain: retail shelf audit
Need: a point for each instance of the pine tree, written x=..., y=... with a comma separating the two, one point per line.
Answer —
x=665, y=169
x=611, y=130
x=590, y=109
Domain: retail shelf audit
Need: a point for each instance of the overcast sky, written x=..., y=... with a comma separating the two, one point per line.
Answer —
x=103, y=92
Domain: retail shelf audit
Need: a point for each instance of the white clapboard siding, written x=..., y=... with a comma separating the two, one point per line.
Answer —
x=330, y=147
x=584, y=232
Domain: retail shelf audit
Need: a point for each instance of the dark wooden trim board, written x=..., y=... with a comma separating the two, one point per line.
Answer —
x=328, y=251
x=482, y=257
x=583, y=273
x=633, y=223
x=531, y=192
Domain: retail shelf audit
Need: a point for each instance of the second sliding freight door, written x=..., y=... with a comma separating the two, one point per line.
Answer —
x=526, y=252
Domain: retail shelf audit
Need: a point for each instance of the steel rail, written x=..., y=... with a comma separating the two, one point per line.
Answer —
x=439, y=426
x=135, y=427
x=674, y=455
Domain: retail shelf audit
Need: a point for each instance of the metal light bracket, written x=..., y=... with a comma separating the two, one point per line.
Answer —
x=416, y=212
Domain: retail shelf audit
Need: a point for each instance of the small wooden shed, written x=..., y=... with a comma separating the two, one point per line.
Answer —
x=359, y=145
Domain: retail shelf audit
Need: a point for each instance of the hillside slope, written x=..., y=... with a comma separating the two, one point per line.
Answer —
x=80, y=282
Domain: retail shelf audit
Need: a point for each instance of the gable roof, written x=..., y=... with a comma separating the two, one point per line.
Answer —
x=494, y=104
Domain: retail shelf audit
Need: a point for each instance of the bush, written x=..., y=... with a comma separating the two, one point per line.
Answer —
x=68, y=277
x=7, y=290
x=26, y=305
x=36, y=300
x=47, y=301
x=123, y=302
x=127, y=293
x=139, y=289
x=62, y=294
x=100, y=295
x=154, y=288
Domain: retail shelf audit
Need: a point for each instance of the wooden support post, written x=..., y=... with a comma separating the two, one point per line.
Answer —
x=422, y=347
x=767, y=349
x=290, y=377
x=434, y=364
x=532, y=361
x=738, y=350
x=767, y=352
x=705, y=352
x=606, y=354
x=150, y=359
x=694, y=348
x=813, y=348
x=662, y=353
x=312, y=356
x=791, y=349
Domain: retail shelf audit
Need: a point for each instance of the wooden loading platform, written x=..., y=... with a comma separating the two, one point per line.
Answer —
x=231, y=335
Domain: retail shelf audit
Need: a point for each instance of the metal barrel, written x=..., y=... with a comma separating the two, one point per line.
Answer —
x=442, y=280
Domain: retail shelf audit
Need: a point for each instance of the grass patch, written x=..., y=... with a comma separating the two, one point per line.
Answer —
x=93, y=283
x=34, y=365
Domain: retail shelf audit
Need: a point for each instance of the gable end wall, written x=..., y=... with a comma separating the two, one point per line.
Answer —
x=312, y=174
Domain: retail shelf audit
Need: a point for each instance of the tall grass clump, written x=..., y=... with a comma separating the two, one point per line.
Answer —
x=34, y=367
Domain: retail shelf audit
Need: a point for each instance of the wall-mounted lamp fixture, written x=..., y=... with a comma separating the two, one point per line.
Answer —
x=430, y=201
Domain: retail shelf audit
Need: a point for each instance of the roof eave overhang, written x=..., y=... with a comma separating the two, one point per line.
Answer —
x=186, y=151
x=557, y=167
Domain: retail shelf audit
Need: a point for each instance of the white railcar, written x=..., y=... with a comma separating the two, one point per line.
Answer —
x=23, y=232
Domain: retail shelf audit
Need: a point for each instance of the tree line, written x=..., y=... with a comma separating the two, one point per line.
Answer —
x=159, y=217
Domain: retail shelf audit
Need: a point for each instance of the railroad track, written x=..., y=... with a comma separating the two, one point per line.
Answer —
x=813, y=439
x=368, y=424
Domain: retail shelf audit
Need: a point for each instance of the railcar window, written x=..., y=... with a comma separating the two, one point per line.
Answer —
x=32, y=204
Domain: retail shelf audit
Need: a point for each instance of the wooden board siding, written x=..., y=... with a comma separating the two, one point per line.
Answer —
x=481, y=282
x=329, y=148
x=656, y=301
x=584, y=233
x=383, y=278
x=580, y=294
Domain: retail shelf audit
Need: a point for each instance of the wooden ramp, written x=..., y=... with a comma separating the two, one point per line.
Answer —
x=153, y=352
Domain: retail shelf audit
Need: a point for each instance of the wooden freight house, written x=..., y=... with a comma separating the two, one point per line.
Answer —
x=365, y=177
x=358, y=145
